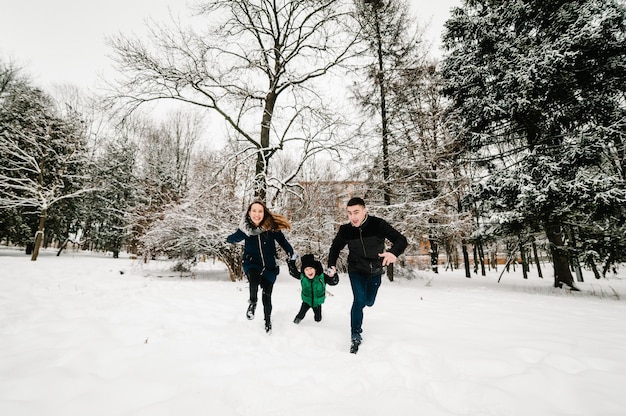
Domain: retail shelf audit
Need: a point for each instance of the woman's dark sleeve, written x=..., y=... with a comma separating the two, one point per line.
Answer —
x=236, y=237
x=293, y=269
x=282, y=241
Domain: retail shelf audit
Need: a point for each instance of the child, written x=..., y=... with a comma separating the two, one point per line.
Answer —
x=313, y=281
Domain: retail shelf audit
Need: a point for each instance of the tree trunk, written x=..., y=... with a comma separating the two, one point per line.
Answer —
x=607, y=264
x=434, y=255
x=383, y=106
x=383, y=115
x=481, y=255
x=390, y=272
x=574, y=257
x=466, y=262
x=493, y=260
x=263, y=152
x=537, y=260
x=522, y=251
x=560, y=260
x=39, y=235
x=232, y=259
x=475, y=251
x=62, y=247
x=594, y=268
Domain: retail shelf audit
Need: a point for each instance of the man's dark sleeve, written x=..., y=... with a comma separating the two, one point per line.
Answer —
x=335, y=248
x=398, y=241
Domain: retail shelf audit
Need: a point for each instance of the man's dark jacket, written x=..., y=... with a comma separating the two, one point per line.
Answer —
x=364, y=244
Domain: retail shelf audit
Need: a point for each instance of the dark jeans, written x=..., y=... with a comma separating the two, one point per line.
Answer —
x=255, y=280
x=364, y=290
x=317, y=311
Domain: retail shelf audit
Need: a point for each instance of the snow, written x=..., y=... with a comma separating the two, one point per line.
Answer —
x=86, y=334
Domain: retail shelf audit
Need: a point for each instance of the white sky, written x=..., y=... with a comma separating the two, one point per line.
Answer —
x=63, y=41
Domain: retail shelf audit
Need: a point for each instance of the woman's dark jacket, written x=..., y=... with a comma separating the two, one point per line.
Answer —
x=364, y=244
x=259, y=250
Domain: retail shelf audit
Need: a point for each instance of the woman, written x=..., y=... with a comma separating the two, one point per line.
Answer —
x=260, y=232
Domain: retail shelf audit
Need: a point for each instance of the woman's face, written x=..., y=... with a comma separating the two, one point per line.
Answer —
x=256, y=213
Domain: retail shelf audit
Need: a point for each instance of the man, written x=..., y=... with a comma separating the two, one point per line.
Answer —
x=365, y=237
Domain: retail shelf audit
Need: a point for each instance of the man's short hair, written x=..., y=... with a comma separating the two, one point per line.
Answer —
x=356, y=201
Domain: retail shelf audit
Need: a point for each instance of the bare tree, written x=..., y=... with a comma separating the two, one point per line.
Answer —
x=258, y=67
x=198, y=223
x=394, y=46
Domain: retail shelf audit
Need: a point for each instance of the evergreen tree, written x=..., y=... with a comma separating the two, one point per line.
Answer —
x=539, y=85
x=43, y=155
x=392, y=48
x=16, y=225
x=107, y=218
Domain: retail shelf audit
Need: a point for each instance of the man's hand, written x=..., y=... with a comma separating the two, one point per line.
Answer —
x=388, y=258
x=332, y=270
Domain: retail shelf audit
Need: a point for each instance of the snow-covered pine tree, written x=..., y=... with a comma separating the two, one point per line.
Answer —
x=43, y=153
x=540, y=85
x=107, y=220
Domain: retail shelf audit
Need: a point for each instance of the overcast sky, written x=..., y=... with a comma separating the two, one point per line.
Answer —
x=63, y=41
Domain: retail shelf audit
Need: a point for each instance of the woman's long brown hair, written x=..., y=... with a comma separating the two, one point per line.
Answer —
x=271, y=222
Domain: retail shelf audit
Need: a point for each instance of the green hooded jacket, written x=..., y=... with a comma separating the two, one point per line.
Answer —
x=313, y=290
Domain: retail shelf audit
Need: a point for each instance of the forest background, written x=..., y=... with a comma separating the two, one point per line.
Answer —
x=511, y=144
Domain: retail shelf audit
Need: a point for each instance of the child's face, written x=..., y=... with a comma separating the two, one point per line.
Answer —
x=309, y=272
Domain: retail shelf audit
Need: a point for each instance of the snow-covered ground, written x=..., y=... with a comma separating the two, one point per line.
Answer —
x=84, y=334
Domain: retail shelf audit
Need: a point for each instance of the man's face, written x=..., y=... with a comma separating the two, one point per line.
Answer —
x=356, y=214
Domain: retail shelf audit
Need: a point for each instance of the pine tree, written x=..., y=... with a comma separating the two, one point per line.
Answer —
x=540, y=87
x=43, y=154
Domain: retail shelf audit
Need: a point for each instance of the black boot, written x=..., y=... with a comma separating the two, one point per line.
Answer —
x=250, y=312
x=355, y=343
x=268, y=326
